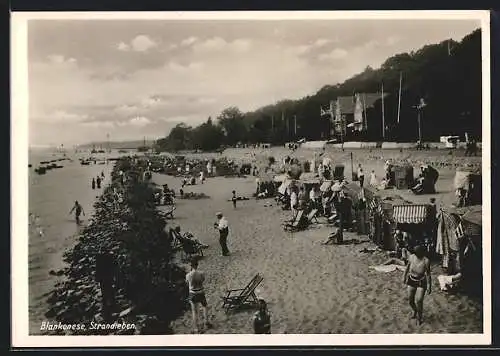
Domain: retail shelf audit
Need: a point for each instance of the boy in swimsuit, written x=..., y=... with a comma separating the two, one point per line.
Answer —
x=417, y=277
x=77, y=208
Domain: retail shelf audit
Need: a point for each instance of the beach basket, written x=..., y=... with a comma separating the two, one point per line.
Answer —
x=403, y=176
x=338, y=172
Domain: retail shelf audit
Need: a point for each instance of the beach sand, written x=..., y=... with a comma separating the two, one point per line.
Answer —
x=310, y=288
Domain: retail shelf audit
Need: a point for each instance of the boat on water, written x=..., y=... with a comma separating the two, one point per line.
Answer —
x=41, y=170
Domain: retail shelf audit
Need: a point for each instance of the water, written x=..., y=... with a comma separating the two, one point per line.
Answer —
x=52, y=230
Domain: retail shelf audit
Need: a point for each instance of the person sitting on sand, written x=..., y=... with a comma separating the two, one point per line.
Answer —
x=417, y=277
x=262, y=319
x=333, y=238
x=78, y=209
x=195, y=280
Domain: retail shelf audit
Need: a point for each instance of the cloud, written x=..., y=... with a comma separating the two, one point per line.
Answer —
x=61, y=116
x=141, y=43
x=122, y=46
x=179, y=68
x=320, y=42
x=98, y=124
x=139, y=121
x=337, y=53
x=60, y=59
x=217, y=44
x=189, y=41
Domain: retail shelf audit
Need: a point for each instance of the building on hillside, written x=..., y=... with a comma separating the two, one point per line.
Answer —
x=350, y=113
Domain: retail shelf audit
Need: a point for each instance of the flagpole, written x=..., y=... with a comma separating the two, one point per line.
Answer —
x=295, y=125
x=399, y=99
x=383, y=114
x=364, y=111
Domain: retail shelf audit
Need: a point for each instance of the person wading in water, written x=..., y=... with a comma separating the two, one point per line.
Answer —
x=77, y=208
x=417, y=277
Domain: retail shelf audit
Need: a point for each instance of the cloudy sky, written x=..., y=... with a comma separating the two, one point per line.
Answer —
x=140, y=78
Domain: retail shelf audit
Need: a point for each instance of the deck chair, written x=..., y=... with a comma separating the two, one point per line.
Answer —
x=296, y=224
x=168, y=213
x=189, y=248
x=238, y=298
x=313, y=216
x=176, y=240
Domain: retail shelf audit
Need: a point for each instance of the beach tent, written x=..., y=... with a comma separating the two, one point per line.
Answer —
x=285, y=185
x=403, y=176
x=327, y=184
x=309, y=178
x=459, y=243
x=471, y=183
x=280, y=178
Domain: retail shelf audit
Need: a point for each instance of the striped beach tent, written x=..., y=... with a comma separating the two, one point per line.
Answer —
x=410, y=214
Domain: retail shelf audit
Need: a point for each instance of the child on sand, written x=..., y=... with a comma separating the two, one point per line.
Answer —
x=197, y=296
x=234, y=198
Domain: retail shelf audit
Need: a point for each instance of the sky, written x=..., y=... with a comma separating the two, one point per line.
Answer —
x=136, y=78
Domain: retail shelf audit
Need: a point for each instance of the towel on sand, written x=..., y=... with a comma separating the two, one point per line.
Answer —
x=387, y=268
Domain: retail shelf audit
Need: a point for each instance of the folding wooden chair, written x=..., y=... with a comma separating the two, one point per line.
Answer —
x=313, y=215
x=238, y=298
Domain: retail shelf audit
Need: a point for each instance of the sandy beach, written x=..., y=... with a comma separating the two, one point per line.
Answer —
x=310, y=288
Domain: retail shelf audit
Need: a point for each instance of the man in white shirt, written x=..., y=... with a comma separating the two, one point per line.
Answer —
x=223, y=227
x=197, y=296
x=294, y=201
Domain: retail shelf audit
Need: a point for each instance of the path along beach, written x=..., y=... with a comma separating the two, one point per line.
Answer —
x=311, y=288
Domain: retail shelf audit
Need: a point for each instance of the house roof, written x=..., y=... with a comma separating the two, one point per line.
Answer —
x=348, y=103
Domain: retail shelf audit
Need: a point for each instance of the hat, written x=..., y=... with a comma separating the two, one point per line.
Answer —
x=218, y=214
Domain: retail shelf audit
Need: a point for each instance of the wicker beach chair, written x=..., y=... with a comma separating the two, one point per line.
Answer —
x=237, y=298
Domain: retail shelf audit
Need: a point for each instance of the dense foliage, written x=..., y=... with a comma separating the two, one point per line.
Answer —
x=150, y=289
x=446, y=75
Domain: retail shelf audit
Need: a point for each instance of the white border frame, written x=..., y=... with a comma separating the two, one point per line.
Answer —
x=19, y=188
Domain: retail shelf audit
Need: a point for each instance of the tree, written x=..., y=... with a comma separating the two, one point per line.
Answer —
x=232, y=123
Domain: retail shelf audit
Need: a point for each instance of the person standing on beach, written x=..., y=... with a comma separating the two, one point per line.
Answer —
x=294, y=201
x=234, y=199
x=223, y=226
x=417, y=277
x=262, y=319
x=361, y=175
x=195, y=280
x=105, y=276
x=373, y=179
x=98, y=181
x=93, y=183
x=77, y=208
